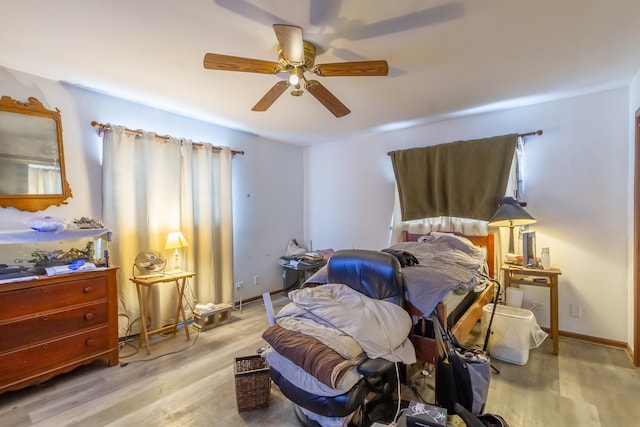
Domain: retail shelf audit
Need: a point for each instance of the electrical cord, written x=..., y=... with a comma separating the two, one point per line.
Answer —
x=122, y=365
x=416, y=391
x=398, y=384
x=129, y=338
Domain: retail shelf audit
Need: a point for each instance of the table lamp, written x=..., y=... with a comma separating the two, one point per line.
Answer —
x=511, y=213
x=175, y=240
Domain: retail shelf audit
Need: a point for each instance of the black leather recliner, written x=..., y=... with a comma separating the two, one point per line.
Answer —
x=377, y=275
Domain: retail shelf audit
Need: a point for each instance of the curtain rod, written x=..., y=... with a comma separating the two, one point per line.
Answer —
x=107, y=127
x=521, y=135
x=536, y=132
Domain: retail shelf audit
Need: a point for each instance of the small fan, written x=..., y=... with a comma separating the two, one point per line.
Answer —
x=149, y=263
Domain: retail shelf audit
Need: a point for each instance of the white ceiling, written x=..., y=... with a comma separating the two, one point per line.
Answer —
x=445, y=57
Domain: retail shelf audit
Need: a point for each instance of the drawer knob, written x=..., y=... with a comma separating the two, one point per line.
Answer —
x=89, y=342
x=88, y=289
x=88, y=316
x=46, y=346
x=45, y=318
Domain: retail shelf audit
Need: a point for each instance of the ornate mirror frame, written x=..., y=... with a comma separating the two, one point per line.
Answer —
x=37, y=202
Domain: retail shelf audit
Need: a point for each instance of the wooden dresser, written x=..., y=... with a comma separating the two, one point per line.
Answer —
x=54, y=324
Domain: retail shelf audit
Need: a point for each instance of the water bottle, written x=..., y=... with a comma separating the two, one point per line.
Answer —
x=545, y=259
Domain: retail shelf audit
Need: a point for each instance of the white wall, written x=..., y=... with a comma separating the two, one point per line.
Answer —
x=576, y=186
x=634, y=105
x=267, y=180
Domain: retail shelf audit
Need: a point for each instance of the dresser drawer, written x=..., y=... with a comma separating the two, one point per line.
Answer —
x=41, y=358
x=39, y=298
x=48, y=325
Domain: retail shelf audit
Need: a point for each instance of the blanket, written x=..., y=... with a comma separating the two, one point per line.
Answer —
x=380, y=327
x=446, y=263
x=326, y=330
x=305, y=381
x=342, y=343
x=322, y=362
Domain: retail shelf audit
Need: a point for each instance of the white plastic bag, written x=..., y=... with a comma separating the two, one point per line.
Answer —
x=293, y=248
x=537, y=335
x=47, y=223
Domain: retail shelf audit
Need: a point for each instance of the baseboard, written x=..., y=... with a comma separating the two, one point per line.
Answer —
x=592, y=339
x=630, y=353
x=257, y=297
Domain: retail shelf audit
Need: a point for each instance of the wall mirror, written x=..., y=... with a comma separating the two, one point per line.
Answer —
x=32, y=174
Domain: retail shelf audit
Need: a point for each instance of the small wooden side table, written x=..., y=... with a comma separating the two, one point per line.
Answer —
x=180, y=279
x=516, y=275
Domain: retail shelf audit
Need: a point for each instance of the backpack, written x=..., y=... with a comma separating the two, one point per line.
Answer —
x=462, y=374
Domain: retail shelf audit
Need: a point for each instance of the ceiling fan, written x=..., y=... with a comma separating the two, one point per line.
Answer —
x=297, y=57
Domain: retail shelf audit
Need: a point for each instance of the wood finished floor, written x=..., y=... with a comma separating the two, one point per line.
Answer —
x=585, y=385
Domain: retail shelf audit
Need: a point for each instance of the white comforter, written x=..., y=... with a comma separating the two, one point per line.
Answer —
x=381, y=328
x=348, y=322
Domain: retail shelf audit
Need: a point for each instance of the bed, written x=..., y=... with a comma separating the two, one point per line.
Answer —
x=460, y=311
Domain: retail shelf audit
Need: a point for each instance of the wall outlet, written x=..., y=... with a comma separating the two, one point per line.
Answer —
x=256, y=280
x=537, y=306
x=576, y=310
x=239, y=285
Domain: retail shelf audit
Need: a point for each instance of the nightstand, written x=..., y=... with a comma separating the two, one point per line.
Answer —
x=516, y=275
x=293, y=276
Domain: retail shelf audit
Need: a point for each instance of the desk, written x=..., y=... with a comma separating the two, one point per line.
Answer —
x=515, y=276
x=180, y=279
x=302, y=272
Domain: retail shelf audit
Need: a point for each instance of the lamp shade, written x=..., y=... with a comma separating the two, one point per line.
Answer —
x=175, y=240
x=510, y=215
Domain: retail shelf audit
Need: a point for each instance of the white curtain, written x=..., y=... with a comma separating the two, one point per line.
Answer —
x=152, y=187
x=468, y=227
x=44, y=180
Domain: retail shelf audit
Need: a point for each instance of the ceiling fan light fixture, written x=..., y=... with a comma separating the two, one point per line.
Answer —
x=297, y=56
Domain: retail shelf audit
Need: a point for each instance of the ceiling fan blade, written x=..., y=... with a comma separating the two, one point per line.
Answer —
x=326, y=98
x=290, y=39
x=214, y=61
x=271, y=96
x=356, y=68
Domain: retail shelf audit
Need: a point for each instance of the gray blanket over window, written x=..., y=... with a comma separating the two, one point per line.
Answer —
x=464, y=179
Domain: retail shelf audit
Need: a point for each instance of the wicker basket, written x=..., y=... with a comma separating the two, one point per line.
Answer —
x=253, y=383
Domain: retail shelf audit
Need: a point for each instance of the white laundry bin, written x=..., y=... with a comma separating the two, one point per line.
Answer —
x=510, y=333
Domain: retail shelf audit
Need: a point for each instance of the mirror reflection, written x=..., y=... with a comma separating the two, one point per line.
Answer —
x=29, y=159
x=32, y=175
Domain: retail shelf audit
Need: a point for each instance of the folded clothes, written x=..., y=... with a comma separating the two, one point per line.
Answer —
x=64, y=269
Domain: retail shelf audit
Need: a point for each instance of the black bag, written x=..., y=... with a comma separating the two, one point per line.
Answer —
x=484, y=420
x=407, y=259
x=462, y=374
